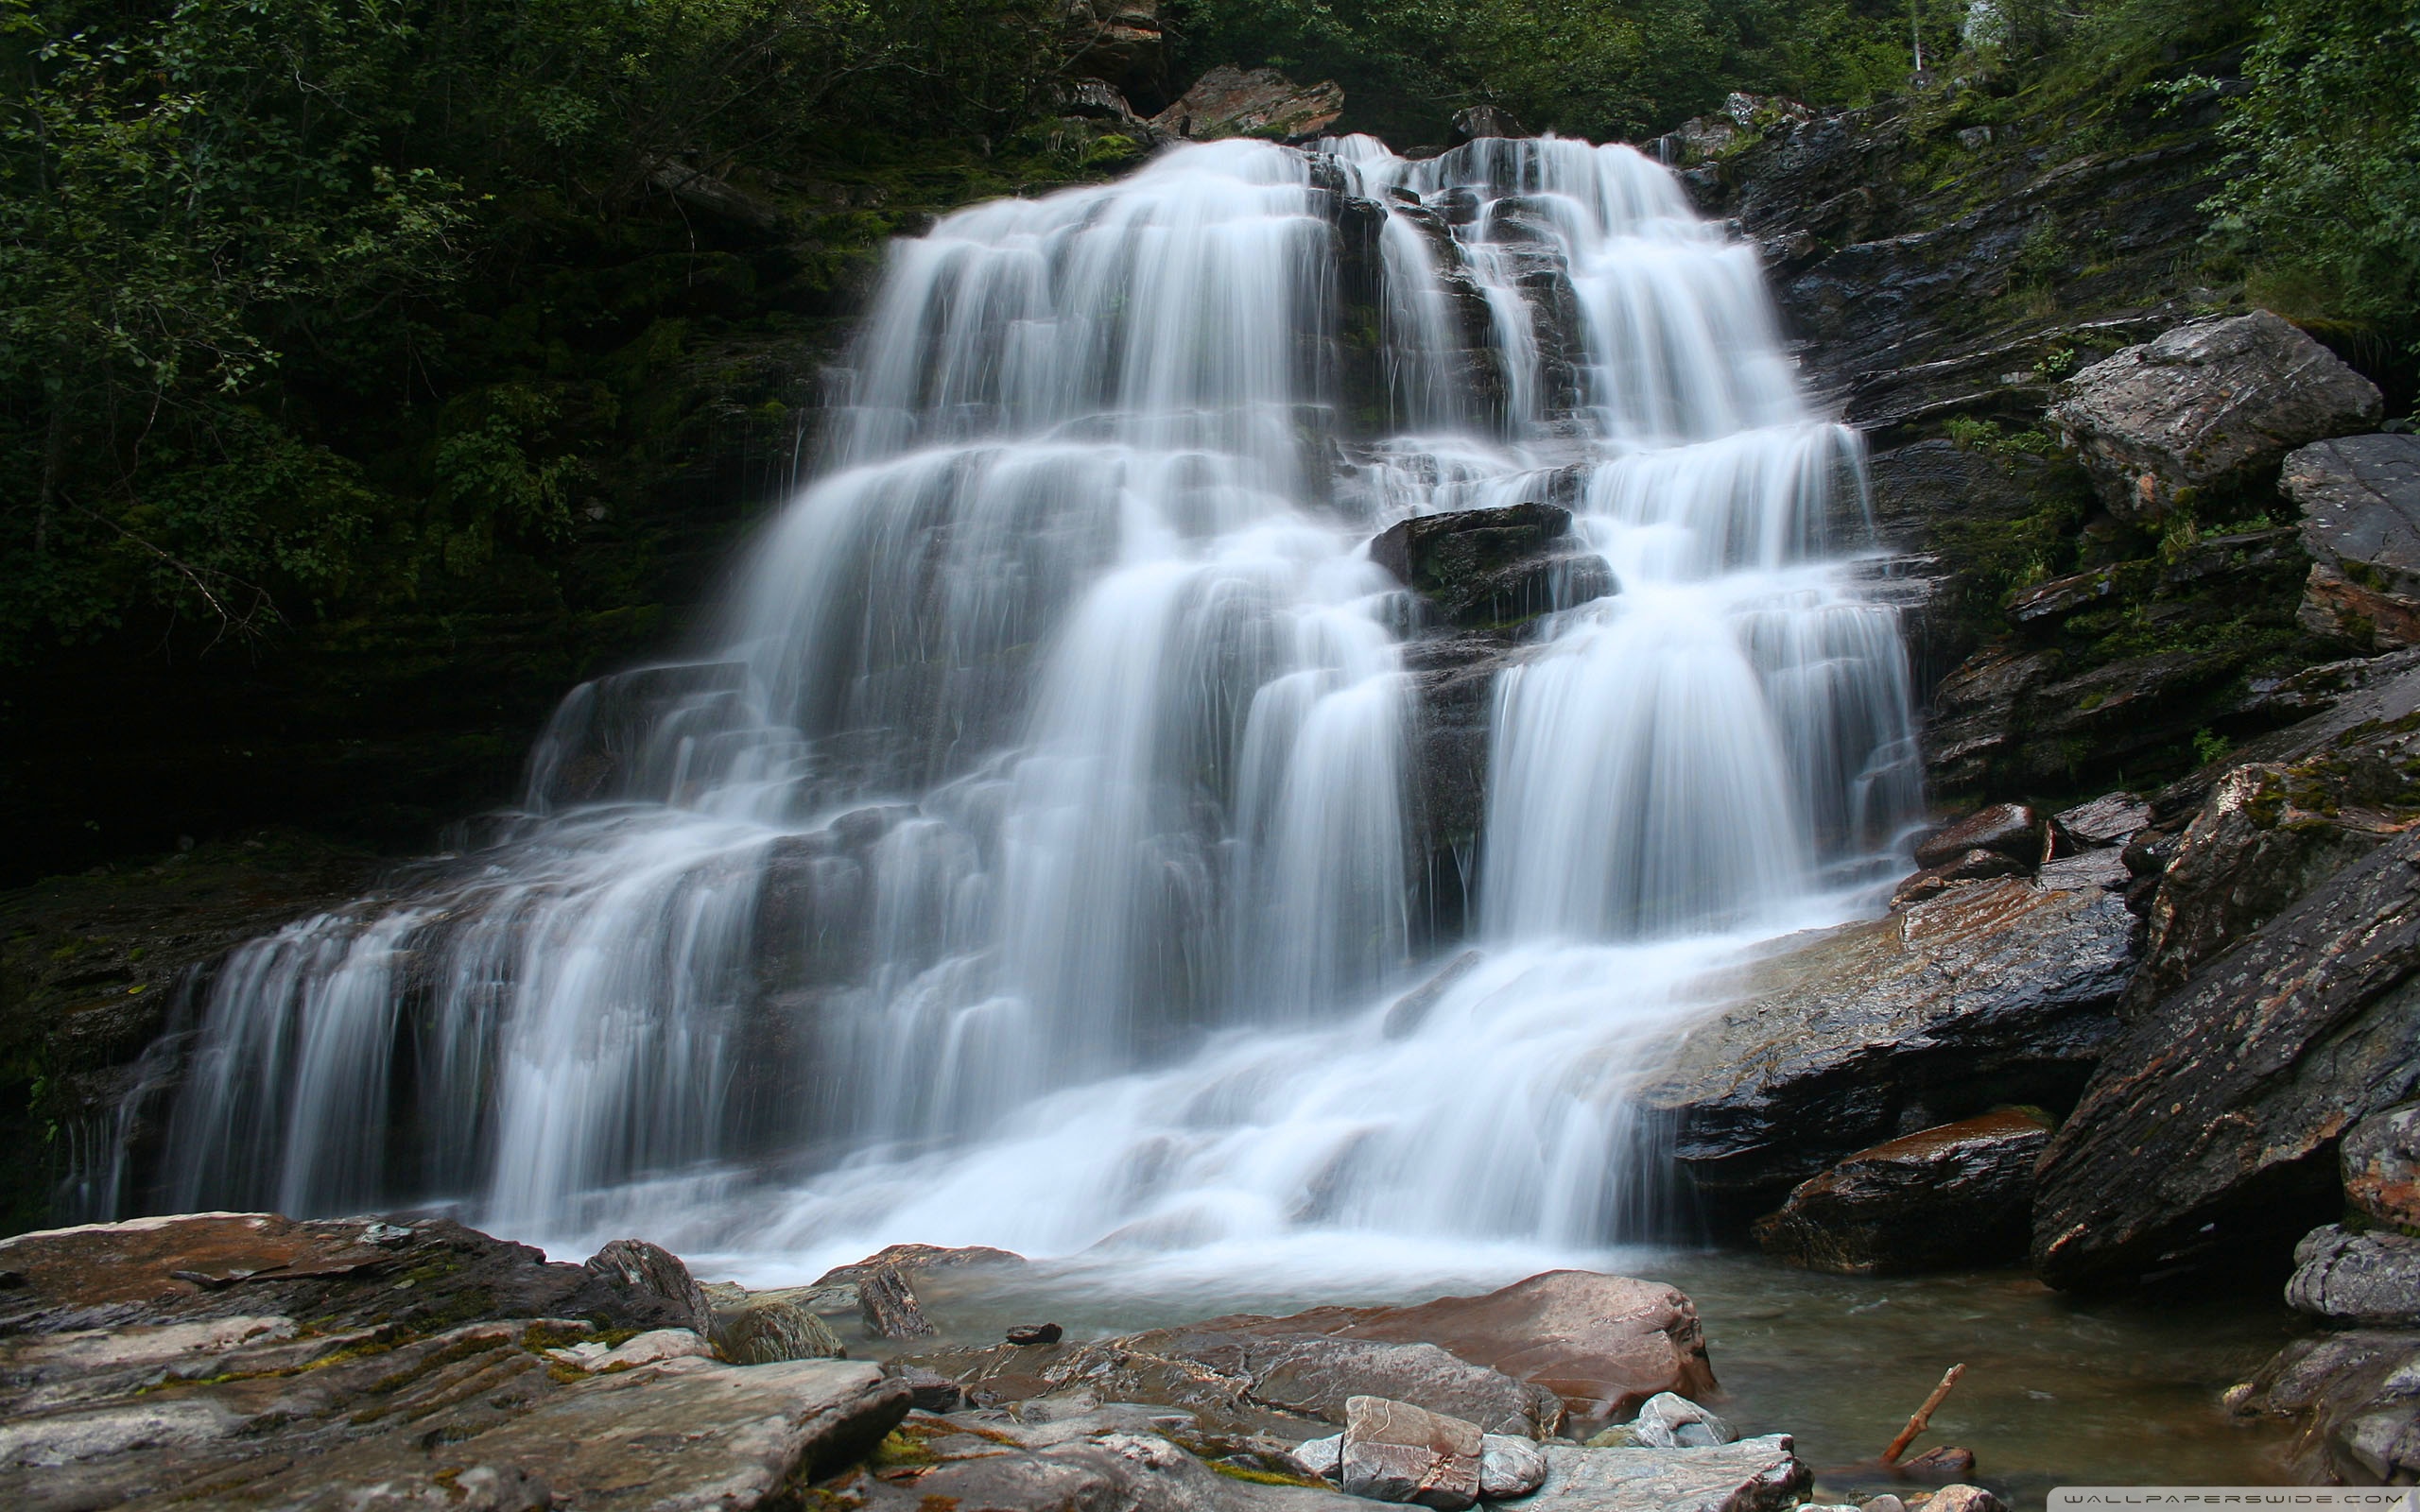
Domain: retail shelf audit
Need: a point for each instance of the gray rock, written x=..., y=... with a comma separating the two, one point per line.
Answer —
x=1325, y=1456
x=2362, y=1278
x=2357, y=1394
x=1510, y=1467
x=2360, y=504
x=2010, y=828
x=1671, y=1421
x=1229, y=101
x=888, y=1306
x=1394, y=1452
x=1753, y=1476
x=1885, y=1503
x=1493, y=569
x=772, y=1330
x=1959, y=1195
x=2382, y=1165
x=1483, y=120
x=1962, y=1498
x=1995, y=993
x=2112, y=818
x=2208, y=1133
x=2104, y=870
x=655, y=1271
x=2206, y=408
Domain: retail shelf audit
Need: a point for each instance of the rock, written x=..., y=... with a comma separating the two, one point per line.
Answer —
x=927, y=1390
x=1669, y=1421
x=1602, y=1343
x=1326, y=1457
x=398, y=1393
x=1394, y=1452
x=1483, y=120
x=2102, y=869
x=887, y=1307
x=1945, y=1463
x=2382, y=1165
x=2365, y=1279
x=2010, y=828
x=1995, y=993
x=1970, y=866
x=1035, y=1333
x=1119, y=43
x=1885, y=1503
x=2360, y=504
x=2112, y=818
x=1228, y=101
x=772, y=1330
x=1753, y=1476
x=1492, y=568
x=655, y=1271
x=1510, y=1467
x=907, y=1259
x=2208, y=1133
x=1959, y=1195
x=2357, y=1394
x=1961, y=1498
x=2207, y=407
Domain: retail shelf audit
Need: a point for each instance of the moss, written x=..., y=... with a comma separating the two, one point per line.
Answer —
x=1259, y=1477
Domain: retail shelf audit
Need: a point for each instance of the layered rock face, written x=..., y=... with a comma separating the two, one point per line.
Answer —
x=1958, y=1195
x=2361, y=503
x=1229, y=101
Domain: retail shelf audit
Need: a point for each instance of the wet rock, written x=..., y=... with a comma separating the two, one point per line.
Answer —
x=1325, y=1456
x=772, y=1330
x=888, y=1306
x=1995, y=993
x=927, y=1390
x=2208, y=1133
x=2105, y=870
x=2111, y=819
x=2311, y=691
x=1963, y=866
x=2207, y=407
x=1753, y=1476
x=2360, y=504
x=2349, y=1278
x=1973, y=724
x=1959, y=1195
x=2358, y=1396
x=1669, y=1421
x=1035, y=1333
x=1229, y=101
x=1962, y=1498
x=1488, y=569
x=1510, y=1467
x=1394, y=1452
x=413, y=1382
x=655, y=1271
x=1945, y=1463
x=2382, y=1165
x=908, y=1260
x=1477, y=121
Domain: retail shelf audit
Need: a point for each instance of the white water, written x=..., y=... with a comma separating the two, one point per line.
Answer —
x=1037, y=861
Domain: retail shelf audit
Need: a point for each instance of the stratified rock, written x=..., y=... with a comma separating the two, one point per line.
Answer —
x=772, y=1331
x=2356, y=1278
x=2208, y=1135
x=2010, y=828
x=2357, y=1394
x=2360, y=504
x=1117, y=42
x=1229, y=101
x=908, y=1260
x=2112, y=818
x=1602, y=1343
x=1753, y=1476
x=1492, y=568
x=927, y=1390
x=1394, y=1452
x=1669, y=1421
x=1993, y=995
x=1965, y=865
x=2207, y=407
x=373, y=1380
x=888, y=1306
x=1973, y=724
x=2104, y=868
x=1960, y=1194
x=655, y=1271
x=2381, y=1161
x=1483, y=120
x=1510, y=1467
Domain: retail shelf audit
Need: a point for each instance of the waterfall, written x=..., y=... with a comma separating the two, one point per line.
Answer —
x=1033, y=856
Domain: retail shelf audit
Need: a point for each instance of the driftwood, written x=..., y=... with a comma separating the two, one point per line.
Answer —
x=1923, y=1416
x=888, y=1306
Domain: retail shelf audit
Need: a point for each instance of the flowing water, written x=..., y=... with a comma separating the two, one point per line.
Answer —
x=1037, y=856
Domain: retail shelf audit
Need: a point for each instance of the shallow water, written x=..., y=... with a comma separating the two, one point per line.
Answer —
x=2057, y=1391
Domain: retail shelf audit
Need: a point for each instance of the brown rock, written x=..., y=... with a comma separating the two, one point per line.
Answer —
x=888, y=1306
x=907, y=1259
x=652, y=1270
x=1959, y=1195
x=1228, y=101
x=2381, y=1159
x=2010, y=828
x=2112, y=818
x=1394, y=1452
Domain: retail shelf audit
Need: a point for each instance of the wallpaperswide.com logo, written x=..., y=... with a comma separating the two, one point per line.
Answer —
x=2189, y=1498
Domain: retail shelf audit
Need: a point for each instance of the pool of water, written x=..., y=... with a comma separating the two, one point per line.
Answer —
x=2057, y=1390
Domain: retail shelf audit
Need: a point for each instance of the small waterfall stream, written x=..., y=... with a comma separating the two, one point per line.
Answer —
x=1036, y=859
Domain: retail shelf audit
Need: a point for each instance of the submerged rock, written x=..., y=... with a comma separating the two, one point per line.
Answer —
x=1753, y=1476
x=2356, y=1278
x=1229, y=101
x=2207, y=407
x=1959, y=1195
x=2361, y=503
x=2358, y=1396
x=1394, y=1452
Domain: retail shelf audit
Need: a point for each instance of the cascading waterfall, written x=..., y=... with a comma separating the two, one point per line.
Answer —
x=1036, y=859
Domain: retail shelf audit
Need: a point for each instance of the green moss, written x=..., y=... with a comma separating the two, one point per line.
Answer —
x=1259, y=1477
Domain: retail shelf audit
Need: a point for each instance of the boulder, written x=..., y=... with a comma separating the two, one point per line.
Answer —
x=1326, y=1455
x=1753, y=1476
x=1964, y=1498
x=1995, y=993
x=2105, y=870
x=1477, y=121
x=887, y=1307
x=1510, y=1467
x=246, y=1359
x=1669, y=1421
x=1967, y=865
x=1394, y=1452
x=2361, y=503
x=2348, y=1278
x=2381, y=1166
x=1973, y=724
x=1960, y=1194
x=2208, y=1134
x=2207, y=407
x=774, y=1330
x=652, y=1270
x=2010, y=828
x=2112, y=818
x=1229, y=101
x=910, y=1259
x=1488, y=569
x=2357, y=1397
